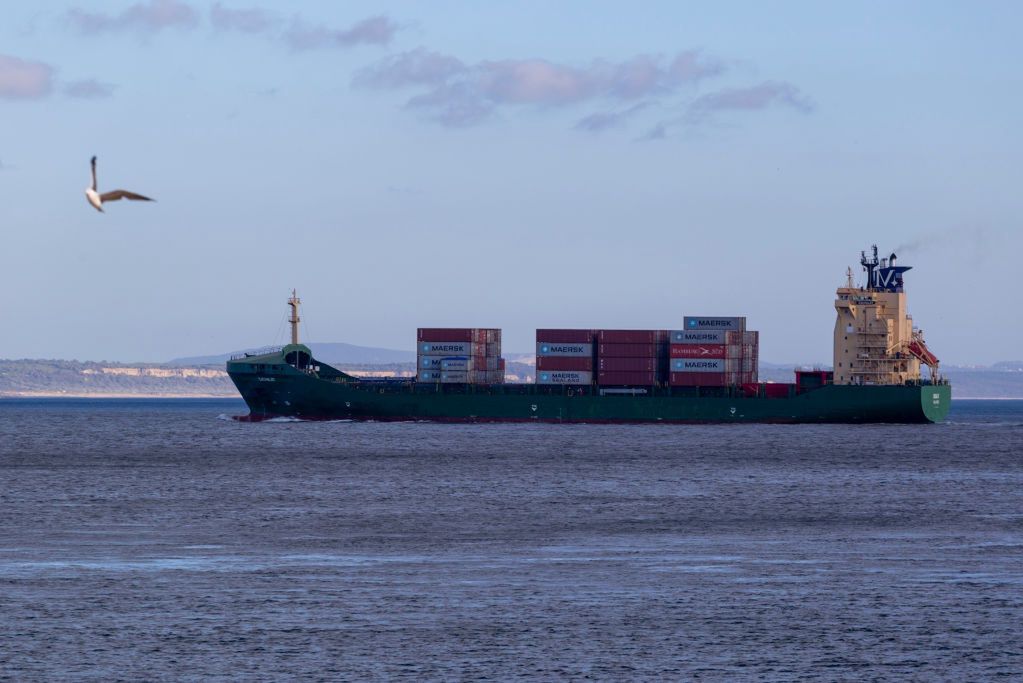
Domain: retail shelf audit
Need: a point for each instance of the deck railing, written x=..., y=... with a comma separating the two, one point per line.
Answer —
x=257, y=352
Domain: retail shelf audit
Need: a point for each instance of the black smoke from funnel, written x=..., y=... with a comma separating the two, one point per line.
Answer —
x=974, y=241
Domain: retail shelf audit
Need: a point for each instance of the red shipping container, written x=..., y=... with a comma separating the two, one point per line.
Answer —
x=627, y=350
x=778, y=390
x=447, y=334
x=579, y=363
x=565, y=336
x=627, y=336
x=626, y=378
x=614, y=364
x=747, y=337
x=741, y=351
x=696, y=351
x=698, y=379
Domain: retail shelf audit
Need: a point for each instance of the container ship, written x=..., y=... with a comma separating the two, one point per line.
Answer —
x=705, y=372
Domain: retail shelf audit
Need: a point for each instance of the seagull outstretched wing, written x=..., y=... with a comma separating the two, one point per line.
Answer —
x=114, y=195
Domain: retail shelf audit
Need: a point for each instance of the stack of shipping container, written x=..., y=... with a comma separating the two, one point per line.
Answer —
x=564, y=357
x=631, y=357
x=459, y=355
x=603, y=357
x=708, y=352
x=713, y=352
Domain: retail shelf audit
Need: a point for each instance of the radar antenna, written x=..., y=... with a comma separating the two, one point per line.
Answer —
x=869, y=265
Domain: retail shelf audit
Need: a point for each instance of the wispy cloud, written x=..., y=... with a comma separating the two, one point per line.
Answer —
x=249, y=20
x=658, y=132
x=412, y=68
x=152, y=16
x=21, y=79
x=749, y=99
x=299, y=34
x=377, y=30
x=459, y=94
x=601, y=121
x=148, y=17
x=706, y=107
x=89, y=89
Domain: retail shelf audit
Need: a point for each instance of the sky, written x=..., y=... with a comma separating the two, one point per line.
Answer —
x=513, y=165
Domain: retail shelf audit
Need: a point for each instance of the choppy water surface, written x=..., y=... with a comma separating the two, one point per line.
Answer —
x=147, y=540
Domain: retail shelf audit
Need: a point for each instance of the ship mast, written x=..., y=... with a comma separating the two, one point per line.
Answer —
x=294, y=301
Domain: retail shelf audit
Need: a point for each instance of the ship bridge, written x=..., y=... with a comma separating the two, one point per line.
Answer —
x=875, y=339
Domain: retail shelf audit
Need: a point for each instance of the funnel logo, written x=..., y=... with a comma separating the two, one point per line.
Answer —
x=889, y=279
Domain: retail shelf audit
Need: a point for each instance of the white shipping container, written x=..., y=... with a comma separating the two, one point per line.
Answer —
x=697, y=336
x=564, y=349
x=563, y=377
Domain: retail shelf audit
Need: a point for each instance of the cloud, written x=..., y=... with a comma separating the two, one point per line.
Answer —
x=455, y=105
x=372, y=31
x=24, y=80
x=658, y=132
x=149, y=17
x=89, y=89
x=252, y=20
x=752, y=98
x=416, y=67
x=459, y=94
x=748, y=99
x=601, y=121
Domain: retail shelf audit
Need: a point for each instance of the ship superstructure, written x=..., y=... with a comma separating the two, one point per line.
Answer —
x=875, y=339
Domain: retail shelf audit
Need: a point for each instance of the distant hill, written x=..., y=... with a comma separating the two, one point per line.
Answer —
x=337, y=352
x=90, y=379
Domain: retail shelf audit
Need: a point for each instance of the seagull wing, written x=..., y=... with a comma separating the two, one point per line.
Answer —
x=94, y=173
x=114, y=195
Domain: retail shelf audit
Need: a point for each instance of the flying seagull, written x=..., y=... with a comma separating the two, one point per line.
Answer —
x=97, y=199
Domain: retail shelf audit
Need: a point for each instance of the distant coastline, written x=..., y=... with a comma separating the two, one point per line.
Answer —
x=35, y=378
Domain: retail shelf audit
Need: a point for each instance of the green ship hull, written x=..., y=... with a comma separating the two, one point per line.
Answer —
x=290, y=383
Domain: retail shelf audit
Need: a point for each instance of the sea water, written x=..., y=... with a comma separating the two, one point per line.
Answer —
x=161, y=540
